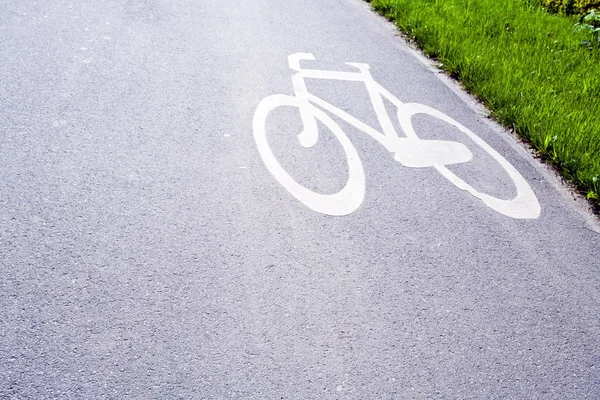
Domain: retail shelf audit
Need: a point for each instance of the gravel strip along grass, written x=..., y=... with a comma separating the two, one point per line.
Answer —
x=529, y=67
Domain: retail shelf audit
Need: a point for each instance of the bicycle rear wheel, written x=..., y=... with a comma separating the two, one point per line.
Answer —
x=524, y=205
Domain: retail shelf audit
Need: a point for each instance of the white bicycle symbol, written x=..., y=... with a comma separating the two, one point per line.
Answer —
x=410, y=151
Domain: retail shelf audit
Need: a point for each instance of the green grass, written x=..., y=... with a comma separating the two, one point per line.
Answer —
x=529, y=67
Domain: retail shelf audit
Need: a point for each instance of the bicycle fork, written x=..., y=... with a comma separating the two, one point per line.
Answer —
x=309, y=136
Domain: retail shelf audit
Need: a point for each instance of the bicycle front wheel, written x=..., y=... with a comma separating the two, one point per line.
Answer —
x=341, y=203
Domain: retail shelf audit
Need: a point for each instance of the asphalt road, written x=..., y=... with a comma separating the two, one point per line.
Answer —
x=147, y=252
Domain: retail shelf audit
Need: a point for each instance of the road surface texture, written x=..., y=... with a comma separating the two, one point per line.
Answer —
x=147, y=252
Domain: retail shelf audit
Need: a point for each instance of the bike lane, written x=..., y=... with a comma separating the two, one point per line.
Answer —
x=149, y=252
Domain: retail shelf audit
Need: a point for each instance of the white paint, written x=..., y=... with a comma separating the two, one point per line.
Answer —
x=410, y=151
x=346, y=200
x=417, y=153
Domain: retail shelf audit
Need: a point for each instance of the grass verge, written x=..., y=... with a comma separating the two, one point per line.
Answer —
x=527, y=66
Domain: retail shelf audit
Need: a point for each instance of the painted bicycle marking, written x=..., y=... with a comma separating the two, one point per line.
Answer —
x=410, y=151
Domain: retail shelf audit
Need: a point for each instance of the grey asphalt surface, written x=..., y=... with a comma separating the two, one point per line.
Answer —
x=147, y=253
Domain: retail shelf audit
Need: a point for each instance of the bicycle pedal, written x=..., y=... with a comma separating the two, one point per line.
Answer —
x=417, y=153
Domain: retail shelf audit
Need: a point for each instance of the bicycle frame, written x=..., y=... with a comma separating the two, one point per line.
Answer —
x=389, y=138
